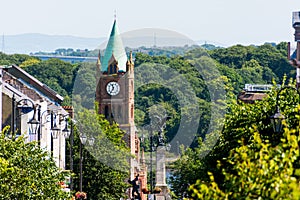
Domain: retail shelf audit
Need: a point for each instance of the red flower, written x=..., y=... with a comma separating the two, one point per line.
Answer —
x=81, y=195
x=145, y=191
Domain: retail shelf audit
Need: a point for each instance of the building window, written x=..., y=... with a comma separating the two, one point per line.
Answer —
x=131, y=111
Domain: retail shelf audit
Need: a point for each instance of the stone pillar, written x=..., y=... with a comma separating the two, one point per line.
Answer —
x=161, y=173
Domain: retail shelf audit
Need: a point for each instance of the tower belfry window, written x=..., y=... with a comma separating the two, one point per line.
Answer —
x=113, y=68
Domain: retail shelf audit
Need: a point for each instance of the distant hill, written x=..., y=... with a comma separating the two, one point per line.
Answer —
x=35, y=42
x=31, y=43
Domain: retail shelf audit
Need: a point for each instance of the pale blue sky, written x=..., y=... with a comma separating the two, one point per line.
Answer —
x=223, y=21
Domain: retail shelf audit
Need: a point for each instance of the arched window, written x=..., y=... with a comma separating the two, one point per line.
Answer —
x=110, y=69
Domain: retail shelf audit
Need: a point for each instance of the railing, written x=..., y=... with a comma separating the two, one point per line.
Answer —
x=258, y=88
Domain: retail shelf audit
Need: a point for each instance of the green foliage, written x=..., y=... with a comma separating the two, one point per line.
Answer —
x=258, y=171
x=16, y=59
x=186, y=172
x=177, y=83
x=157, y=86
x=267, y=56
x=55, y=73
x=84, y=86
x=30, y=62
x=27, y=172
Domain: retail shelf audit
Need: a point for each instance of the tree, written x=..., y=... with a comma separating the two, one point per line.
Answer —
x=56, y=74
x=105, y=163
x=28, y=172
x=16, y=59
x=84, y=86
x=30, y=62
x=259, y=171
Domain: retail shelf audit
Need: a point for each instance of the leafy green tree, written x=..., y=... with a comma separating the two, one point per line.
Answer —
x=267, y=56
x=56, y=74
x=28, y=172
x=234, y=56
x=16, y=59
x=258, y=171
x=105, y=163
x=30, y=62
x=84, y=87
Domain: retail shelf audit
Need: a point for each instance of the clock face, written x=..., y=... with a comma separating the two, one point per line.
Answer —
x=113, y=88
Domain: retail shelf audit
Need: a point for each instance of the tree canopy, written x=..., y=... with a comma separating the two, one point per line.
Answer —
x=28, y=172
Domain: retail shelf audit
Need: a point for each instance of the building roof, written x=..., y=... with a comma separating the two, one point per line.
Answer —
x=251, y=97
x=114, y=47
x=29, y=80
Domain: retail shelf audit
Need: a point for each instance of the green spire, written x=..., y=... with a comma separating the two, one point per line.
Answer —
x=114, y=47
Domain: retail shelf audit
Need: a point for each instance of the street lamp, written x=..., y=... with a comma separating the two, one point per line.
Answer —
x=84, y=140
x=34, y=124
x=277, y=118
x=66, y=132
x=25, y=108
x=54, y=128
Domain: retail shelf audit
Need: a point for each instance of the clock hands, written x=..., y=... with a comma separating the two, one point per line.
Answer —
x=113, y=88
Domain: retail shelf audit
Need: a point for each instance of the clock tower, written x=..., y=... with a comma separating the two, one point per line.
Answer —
x=115, y=94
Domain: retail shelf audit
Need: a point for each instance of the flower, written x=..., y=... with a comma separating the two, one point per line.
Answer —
x=81, y=195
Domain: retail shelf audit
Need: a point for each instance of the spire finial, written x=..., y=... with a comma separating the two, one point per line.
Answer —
x=115, y=14
x=99, y=59
x=130, y=57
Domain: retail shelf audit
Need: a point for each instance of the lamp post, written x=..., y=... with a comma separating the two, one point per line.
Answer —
x=277, y=118
x=149, y=128
x=25, y=108
x=83, y=140
x=71, y=140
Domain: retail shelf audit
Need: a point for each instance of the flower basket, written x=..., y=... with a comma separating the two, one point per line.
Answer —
x=145, y=191
x=62, y=184
x=157, y=190
x=80, y=195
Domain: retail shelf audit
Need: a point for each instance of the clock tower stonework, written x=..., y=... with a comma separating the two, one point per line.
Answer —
x=115, y=97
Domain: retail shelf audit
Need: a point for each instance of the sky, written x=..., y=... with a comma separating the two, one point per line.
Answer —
x=226, y=22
